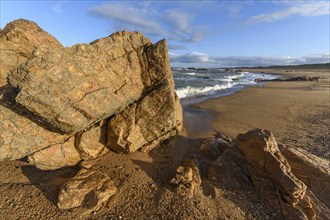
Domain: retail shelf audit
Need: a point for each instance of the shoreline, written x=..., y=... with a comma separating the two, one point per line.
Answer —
x=284, y=108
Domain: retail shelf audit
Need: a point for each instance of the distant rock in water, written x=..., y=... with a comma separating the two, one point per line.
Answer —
x=114, y=93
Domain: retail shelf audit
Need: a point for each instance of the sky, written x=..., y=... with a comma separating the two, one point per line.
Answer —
x=198, y=33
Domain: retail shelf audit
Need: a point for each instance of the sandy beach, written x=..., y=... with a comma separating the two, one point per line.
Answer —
x=297, y=113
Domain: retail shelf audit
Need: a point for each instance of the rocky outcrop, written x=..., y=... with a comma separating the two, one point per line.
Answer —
x=56, y=156
x=18, y=40
x=92, y=143
x=75, y=87
x=88, y=190
x=312, y=170
x=58, y=94
x=141, y=124
x=19, y=135
x=187, y=179
x=291, y=79
x=271, y=174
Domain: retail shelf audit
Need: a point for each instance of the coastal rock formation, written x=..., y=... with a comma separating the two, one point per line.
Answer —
x=271, y=174
x=58, y=96
x=312, y=170
x=153, y=119
x=56, y=156
x=291, y=79
x=88, y=189
x=92, y=143
x=20, y=136
x=187, y=179
x=75, y=87
x=18, y=40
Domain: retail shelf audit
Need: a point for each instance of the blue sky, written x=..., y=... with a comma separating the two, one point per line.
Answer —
x=199, y=33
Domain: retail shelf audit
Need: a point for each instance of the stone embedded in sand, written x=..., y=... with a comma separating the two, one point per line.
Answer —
x=18, y=40
x=145, y=123
x=187, y=179
x=92, y=143
x=212, y=148
x=56, y=156
x=271, y=174
x=312, y=170
x=88, y=189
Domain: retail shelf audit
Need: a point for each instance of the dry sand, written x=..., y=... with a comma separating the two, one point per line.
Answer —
x=296, y=112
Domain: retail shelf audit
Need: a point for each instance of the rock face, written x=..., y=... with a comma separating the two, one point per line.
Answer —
x=19, y=135
x=56, y=156
x=57, y=94
x=88, y=189
x=271, y=174
x=18, y=40
x=312, y=170
x=142, y=124
x=92, y=143
x=74, y=87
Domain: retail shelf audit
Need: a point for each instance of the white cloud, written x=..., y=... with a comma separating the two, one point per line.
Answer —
x=311, y=9
x=174, y=24
x=129, y=17
x=57, y=7
x=193, y=57
x=234, y=61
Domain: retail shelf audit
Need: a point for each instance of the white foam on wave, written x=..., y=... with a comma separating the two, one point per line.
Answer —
x=195, y=91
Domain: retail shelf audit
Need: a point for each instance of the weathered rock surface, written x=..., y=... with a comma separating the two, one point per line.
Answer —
x=88, y=189
x=212, y=148
x=57, y=93
x=75, y=87
x=312, y=170
x=271, y=174
x=20, y=136
x=56, y=156
x=145, y=123
x=187, y=179
x=92, y=143
x=18, y=40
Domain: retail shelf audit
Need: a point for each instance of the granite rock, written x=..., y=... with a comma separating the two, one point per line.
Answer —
x=18, y=40
x=88, y=189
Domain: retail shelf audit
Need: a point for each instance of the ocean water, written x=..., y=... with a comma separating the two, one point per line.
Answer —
x=197, y=85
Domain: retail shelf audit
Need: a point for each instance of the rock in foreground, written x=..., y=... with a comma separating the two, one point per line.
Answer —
x=88, y=189
x=271, y=174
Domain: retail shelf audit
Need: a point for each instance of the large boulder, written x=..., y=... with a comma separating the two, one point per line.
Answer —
x=73, y=88
x=56, y=156
x=19, y=135
x=18, y=40
x=271, y=174
x=312, y=170
x=151, y=120
x=123, y=82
